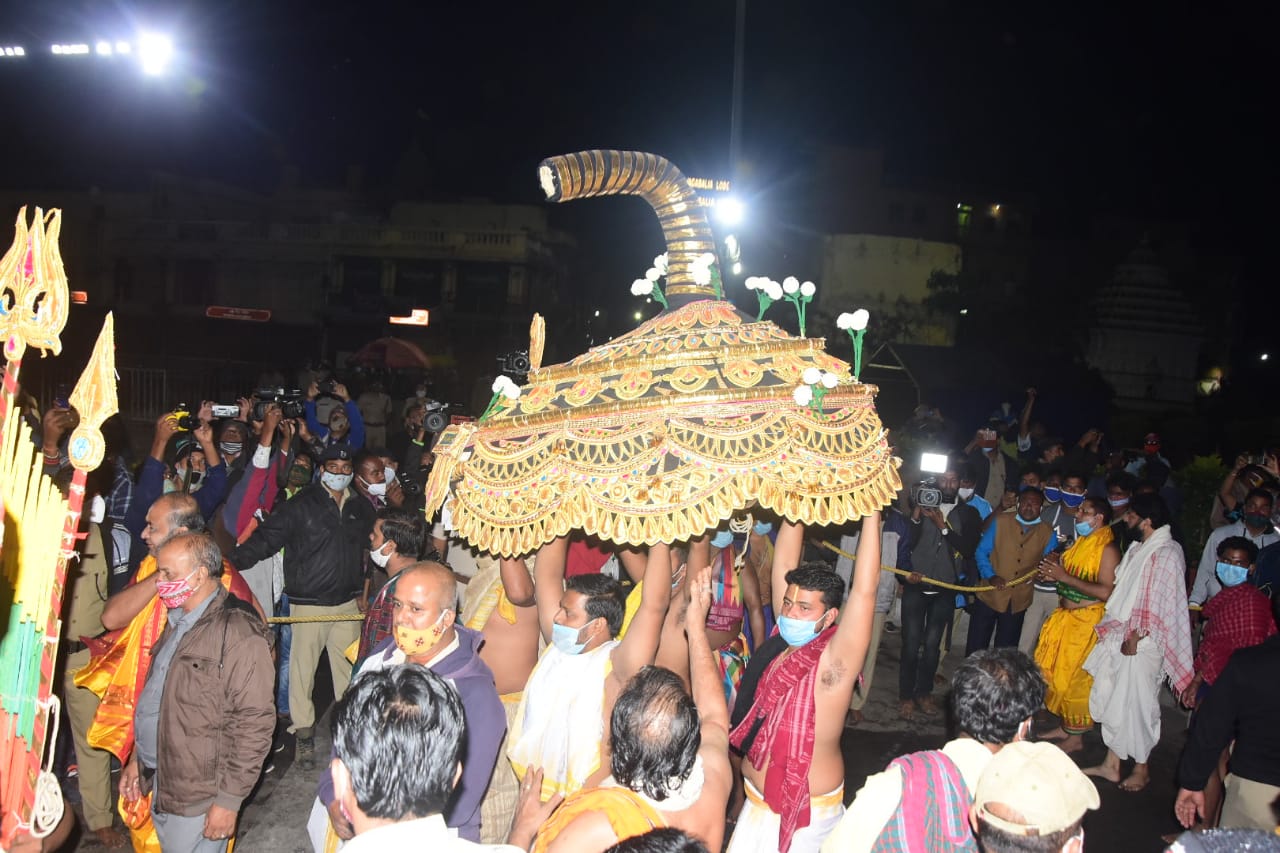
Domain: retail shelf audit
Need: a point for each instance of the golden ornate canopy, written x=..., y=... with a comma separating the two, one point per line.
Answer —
x=661, y=434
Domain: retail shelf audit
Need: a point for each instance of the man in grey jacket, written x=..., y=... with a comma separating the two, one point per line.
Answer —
x=205, y=717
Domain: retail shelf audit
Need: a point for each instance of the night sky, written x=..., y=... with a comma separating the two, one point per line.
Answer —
x=1152, y=110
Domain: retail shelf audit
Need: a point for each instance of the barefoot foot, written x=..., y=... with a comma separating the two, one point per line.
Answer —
x=1103, y=771
x=1071, y=743
x=109, y=838
x=907, y=710
x=1137, y=780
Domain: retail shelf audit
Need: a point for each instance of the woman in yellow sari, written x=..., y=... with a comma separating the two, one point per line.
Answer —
x=1085, y=574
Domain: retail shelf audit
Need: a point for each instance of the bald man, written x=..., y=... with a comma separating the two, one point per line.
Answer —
x=425, y=602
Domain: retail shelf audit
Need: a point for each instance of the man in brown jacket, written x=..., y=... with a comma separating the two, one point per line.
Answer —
x=1012, y=546
x=205, y=717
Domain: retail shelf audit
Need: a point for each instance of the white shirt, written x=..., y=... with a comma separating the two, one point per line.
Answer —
x=428, y=833
x=1206, y=585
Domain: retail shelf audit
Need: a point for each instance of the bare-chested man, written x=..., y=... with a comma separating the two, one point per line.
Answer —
x=499, y=603
x=561, y=725
x=796, y=695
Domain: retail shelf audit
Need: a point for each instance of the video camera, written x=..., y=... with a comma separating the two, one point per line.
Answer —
x=515, y=362
x=434, y=418
x=926, y=494
x=290, y=402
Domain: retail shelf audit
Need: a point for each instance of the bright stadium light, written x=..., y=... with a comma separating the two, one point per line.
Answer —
x=730, y=211
x=124, y=47
x=154, y=52
x=103, y=48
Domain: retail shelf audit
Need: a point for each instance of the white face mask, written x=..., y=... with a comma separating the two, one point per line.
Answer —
x=378, y=490
x=965, y=494
x=97, y=510
x=379, y=558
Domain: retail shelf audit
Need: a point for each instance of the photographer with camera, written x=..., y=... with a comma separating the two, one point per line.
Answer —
x=177, y=436
x=324, y=532
x=345, y=424
x=943, y=534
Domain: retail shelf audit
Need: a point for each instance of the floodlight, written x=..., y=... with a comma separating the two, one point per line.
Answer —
x=933, y=463
x=730, y=211
x=154, y=52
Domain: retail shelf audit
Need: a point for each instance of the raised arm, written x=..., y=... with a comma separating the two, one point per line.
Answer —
x=708, y=695
x=516, y=581
x=548, y=586
x=753, y=605
x=639, y=646
x=848, y=649
x=786, y=556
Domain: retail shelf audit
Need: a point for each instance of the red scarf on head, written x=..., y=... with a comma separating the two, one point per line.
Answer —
x=784, y=712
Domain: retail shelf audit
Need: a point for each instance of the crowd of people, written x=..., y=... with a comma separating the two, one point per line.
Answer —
x=682, y=697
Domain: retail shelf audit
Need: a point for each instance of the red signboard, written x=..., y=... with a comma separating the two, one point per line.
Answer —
x=252, y=315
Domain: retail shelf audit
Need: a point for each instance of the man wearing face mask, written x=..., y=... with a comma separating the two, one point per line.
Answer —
x=967, y=493
x=1044, y=599
x=162, y=466
x=1254, y=526
x=1143, y=638
x=345, y=425
x=324, y=532
x=396, y=542
x=375, y=481
x=993, y=469
x=791, y=707
x=204, y=719
x=1010, y=548
x=426, y=634
x=1237, y=617
x=560, y=724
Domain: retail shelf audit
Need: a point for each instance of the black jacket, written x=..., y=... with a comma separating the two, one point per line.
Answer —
x=323, y=548
x=1243, y=704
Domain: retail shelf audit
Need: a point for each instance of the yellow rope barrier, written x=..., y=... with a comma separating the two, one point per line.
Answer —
x=896, y=571
x=328, y=617
x=1021, y=579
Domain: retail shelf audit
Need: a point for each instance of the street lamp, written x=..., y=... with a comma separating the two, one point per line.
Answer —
x=154, y=53
x=730, y=211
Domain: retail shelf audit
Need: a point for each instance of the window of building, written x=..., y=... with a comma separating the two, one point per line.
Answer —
x=482, y=288
x=193, y=282
x=420, y=282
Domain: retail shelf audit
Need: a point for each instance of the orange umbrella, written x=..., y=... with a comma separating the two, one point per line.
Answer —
x=392, y=354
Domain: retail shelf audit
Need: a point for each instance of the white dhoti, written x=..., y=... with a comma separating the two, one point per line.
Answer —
x=1125, y=697
x=758, y=825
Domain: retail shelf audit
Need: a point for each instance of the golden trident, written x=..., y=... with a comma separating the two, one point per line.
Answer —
x=40, y=524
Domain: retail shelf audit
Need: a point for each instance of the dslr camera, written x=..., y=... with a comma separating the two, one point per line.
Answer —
x=926, y=494
x=182, y=415
x=515, y=362
x=409, y=484
x=290, y=402
x=327, y=386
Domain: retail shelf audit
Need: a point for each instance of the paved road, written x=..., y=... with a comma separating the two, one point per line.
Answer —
x=275, y=821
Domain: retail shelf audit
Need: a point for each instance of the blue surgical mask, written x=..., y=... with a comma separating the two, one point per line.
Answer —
x=1118, y=504
x=336, y=482
x=797, y=632
x=1072, y=501
x=1052, y=495
x=722, y=539
x=565, y=639
x=1232, y=575
x=762, y=528
x=1026, y=523
x=1083, y=528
